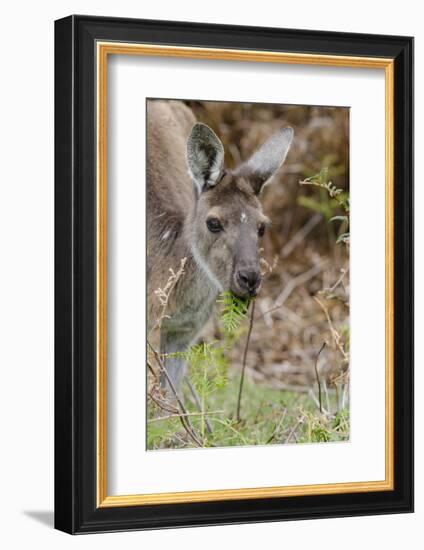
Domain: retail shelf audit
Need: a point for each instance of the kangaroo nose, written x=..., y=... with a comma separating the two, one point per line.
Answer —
x=249, y=279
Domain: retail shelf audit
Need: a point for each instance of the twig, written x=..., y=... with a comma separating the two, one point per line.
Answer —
x=332, y=190
x=164, y=294
x=300, y=235
x=252, y=313
x=179, y=415
x=199, y=406
x=294, y=283
x=317, y=376
x=312, y=396
x=179, y=439
x=334, y=333
x=162, y=404
x=339, y=280
x=263, y=306
x=152, y=370
x=294, y=429
x=277, y=427
x=184, y=421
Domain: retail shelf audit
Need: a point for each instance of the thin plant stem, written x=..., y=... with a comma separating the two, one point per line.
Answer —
x=179, y=415
x=317, y=376
x=199, y=405
x=243, y=369
x=184, y=419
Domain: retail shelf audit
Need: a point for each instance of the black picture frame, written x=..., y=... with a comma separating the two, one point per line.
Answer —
x=76, y=510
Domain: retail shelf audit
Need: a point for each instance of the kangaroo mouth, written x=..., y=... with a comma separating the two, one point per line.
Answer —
x=244, y=294
x=244, y=291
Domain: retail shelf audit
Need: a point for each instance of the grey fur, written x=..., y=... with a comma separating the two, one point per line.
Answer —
x=205, y=156
x=177, y=229
x=268, y=158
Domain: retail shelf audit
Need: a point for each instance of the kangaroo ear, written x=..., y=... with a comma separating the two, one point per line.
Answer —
x=205, y=157
x=263, y=164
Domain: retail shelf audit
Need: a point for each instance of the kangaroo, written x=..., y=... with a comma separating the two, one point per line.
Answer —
x=199, y=210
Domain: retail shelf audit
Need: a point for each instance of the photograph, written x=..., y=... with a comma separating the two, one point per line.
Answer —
x=209, y=301
x=247, y=232
x=233, y=274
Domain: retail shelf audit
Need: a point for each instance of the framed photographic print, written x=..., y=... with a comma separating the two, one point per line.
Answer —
x=233, y=265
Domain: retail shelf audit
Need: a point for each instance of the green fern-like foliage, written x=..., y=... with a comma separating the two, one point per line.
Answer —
x=321, y=180
x=208, y=367
x=337, y=198
x=234, y=310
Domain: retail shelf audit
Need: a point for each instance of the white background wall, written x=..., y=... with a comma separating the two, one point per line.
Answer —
x=26, y=274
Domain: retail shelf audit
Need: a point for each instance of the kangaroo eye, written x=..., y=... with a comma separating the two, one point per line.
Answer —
x=214, y=225
x=261, y=230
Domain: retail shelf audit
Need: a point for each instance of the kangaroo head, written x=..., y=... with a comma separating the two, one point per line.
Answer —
x=227, y=221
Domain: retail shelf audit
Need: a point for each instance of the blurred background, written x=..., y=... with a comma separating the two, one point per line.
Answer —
x=307, y=263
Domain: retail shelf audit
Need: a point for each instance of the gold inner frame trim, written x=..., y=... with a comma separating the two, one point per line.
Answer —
x=103, y=50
